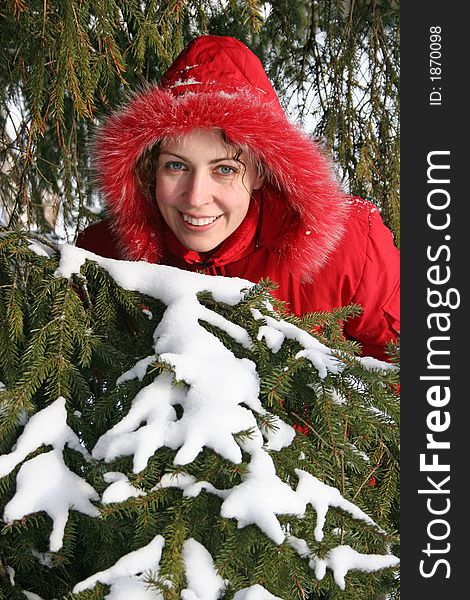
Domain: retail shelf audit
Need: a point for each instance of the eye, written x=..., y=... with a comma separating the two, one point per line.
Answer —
x=226, y=170
x=175, y=165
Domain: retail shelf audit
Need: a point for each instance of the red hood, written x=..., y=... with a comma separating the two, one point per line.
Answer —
x=219, y=82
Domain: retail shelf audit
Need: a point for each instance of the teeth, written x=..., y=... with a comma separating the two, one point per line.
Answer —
x=199, y=222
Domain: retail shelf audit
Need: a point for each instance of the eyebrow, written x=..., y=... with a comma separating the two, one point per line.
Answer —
x=211, y=162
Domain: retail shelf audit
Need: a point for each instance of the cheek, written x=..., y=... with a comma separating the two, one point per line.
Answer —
x=164, y=192
x=242, y=203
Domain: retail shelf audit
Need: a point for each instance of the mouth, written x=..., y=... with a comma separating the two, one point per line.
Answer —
x=199, y=221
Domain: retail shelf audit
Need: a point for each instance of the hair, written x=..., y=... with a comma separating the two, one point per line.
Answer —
x=146, y=165
x=146, y=169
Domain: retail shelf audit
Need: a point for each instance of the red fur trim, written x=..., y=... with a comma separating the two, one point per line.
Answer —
x=307, y=188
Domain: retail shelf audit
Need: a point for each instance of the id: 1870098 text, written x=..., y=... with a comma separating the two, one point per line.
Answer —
x=435, y=65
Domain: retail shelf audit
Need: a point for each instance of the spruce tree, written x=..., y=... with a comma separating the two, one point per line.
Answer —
x=167, y=434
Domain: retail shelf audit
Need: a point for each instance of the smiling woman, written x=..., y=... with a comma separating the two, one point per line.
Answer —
x=202, y=189
x=204, y=172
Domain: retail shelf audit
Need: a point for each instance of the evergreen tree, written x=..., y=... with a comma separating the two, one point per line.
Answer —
x=65, y=65
x=148, y=445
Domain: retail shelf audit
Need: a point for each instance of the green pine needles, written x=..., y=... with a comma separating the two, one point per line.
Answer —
x=167, y=435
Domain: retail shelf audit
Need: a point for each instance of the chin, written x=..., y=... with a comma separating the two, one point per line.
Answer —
x=199, y=246
x=203, y=248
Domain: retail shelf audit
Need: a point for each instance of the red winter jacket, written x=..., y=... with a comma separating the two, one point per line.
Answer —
x=323, y=248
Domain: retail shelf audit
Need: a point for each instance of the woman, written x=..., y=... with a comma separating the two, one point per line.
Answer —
x=204, y=172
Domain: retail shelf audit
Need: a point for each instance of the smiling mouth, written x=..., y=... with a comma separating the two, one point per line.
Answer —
x=199, y=222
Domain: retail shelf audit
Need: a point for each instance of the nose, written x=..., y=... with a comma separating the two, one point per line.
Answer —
x=197, y=191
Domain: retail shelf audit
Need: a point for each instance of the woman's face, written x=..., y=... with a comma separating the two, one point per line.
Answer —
x=202, y=192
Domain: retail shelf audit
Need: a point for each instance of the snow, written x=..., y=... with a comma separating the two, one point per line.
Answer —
x=40, y=249
x=260, y=497
x=159, y=281
x=45, y=483
x=153, y=405
x=321, y=497
x=44, y=558
x=343, y=559
x=275, y=331
x=138, y=371
x=218, y=398
x=369, y=362
x=31, y=595
x=11, y=574
x=203, y=581
x=127, y=576
x=279, y=435
x=212, y=411
x=255, y=592
x=191, y=488
x=189, y=81
x=120, y=489
x=46, y=427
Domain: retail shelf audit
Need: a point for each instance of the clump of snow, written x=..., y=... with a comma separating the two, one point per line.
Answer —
x=255, y=592
x=41, y=249
x=321, y=497
x=370, y=363
x=127, y=576
x=138, y=371
x=120, y=489
x=273, y=337
x=203, y=581
x=31, y=595
x=191, y=488
x=46, y=427
x=167, y=284
x=343, y=559
x=260, y=497
x=11, y=574
x=279, y=435
x=45, y=483
x=43, y=558
x=218, y=381
x=275, y=331
x=153, y=405
x=300, y=546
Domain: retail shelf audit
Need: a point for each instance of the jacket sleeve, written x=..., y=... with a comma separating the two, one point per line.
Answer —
x=378, y=291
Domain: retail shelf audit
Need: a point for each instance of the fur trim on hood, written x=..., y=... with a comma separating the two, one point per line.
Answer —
x=217, y=82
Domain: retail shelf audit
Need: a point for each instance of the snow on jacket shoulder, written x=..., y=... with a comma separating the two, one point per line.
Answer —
x=322, y=248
